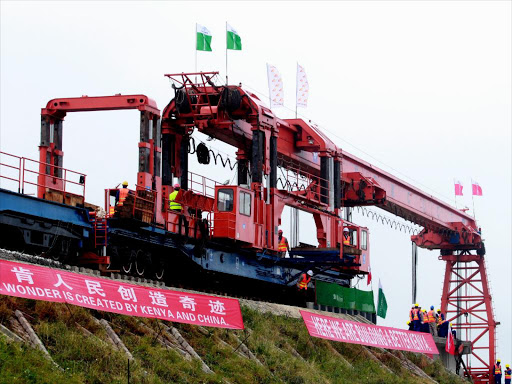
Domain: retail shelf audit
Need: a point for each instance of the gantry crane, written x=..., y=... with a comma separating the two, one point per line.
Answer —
x=238, y=117
x=280, y=162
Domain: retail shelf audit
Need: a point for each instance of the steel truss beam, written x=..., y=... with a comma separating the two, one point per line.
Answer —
x=467, y=303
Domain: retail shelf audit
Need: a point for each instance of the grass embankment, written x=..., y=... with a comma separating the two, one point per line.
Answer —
x=287, y=353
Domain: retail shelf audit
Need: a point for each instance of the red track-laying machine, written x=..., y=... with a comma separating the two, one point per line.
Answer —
x=233, y=229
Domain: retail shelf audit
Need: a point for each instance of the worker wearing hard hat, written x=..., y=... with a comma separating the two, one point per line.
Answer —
x=416, y=318
x=410, y=325
x=304, y=280
x=508, y=374
x=173, y=205
x=123, y=192
x=431, y=319
x=177, y=208
x=120, y=196
x=442, y=325
x=282, y=244
x=346, y=236
x=497, y=372
x=410, y=314
x=424, y=321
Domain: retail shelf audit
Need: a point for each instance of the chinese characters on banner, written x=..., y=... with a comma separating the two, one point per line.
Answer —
x=42, y=283
x=352, y=332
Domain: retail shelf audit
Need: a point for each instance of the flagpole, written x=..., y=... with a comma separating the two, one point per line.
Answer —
x=269, y=91
x=195, y=67
x=473, y=199
x=226, y=53
x=296, y=89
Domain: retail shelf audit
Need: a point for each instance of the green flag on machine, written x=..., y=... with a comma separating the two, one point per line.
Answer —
x=204, y=38
x=233, y=39
x=382, y=304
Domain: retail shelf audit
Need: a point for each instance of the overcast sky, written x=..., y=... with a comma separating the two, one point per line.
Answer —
x=420, y=89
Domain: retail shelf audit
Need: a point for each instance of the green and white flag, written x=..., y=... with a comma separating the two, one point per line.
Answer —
x=204, y=38
x=233, y=39
x=382, y=304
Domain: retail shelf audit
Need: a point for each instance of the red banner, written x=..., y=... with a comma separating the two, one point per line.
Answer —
x=42, y=283
x=367, y=334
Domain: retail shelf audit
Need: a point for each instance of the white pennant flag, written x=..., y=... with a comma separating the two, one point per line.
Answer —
x=275, y=86
x=302, y=87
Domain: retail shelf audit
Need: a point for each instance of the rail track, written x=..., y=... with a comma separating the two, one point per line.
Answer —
x=197, y=285
x=284, y=302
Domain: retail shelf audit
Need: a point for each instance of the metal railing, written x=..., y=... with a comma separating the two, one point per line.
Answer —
x=202, y=185
x=20, y=171
x=303, y=184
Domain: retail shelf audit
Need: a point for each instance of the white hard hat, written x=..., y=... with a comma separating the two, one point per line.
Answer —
x=310, y=272
x=345, y=229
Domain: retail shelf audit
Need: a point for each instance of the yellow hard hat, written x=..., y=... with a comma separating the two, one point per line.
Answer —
x=416, y=305
x=408, y=322
x=506, y=365
x=438, y=310
x=452, y=324
x=125, y=183
x=499, y=361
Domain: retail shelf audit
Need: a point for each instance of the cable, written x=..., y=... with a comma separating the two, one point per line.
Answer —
x=204, y=157
x=352, y=145
x=393, y=223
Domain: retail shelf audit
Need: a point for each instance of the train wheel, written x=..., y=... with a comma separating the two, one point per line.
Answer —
x=140, y=261
x=159, y=269
x=128, y=262
x=60, y=250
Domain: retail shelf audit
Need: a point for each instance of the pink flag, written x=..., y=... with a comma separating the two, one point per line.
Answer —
x=477, y=190
x=450, y=342
x=458, y=188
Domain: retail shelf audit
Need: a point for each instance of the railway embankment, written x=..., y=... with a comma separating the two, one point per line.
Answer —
x=43, y=342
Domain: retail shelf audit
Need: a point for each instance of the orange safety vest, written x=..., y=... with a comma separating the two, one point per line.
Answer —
x=283, y=245
x=304, y=281
x=508, y=374
x=415, y=314
x=431, y=316
x=346, y=238
x=122, y=196
x=497, y=369
x=410, y=314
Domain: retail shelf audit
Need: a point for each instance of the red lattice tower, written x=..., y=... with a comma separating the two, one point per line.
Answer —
x=467, y=303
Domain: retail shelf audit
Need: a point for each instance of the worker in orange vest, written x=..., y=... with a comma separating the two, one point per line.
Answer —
x=497, y=372
x=282, y=244
x=346, y=236
x=431, y=318
x=508, y=374
x=416, y=318
x=120, y=198
x=304, y=280
x=122, y=194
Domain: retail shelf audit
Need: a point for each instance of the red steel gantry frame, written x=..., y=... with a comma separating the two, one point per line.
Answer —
x=236, y=116
x=50, y=149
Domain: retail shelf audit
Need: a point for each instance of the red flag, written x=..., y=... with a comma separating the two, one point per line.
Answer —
x=369, y=276
x=450, y=342
x=477, y=190
x=458, y=188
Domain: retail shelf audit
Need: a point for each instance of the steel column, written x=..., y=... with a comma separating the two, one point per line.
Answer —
x=464, y=272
